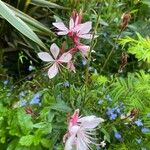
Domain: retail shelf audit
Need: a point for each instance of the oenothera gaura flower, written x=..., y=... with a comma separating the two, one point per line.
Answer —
x=55, y=61
x=83, y=49
x=75, y=30
x=79, y=136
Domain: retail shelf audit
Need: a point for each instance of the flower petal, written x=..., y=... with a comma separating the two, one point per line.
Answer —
x=60, y=26
x=83, y=28
x=45, y=56
x=82, y=141
x=71, y=23
x=62, y=33
x=54, y=50
x=53, y=70
x=84, y=49
x=70, y=142
x=71, y=67
x=65, y=57
x=87, y=36
x=90, y=121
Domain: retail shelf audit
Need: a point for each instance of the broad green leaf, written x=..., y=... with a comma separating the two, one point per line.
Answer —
x=61, y=106
x=25, y=121
x=37, y=26
x=19, y=24
x=26, y=140
x=44, y=3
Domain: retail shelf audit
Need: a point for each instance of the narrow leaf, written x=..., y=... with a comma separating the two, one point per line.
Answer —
x=19, y=24
x=39, y=27
x=44, y=3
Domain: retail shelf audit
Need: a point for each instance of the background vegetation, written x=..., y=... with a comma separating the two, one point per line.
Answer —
x=113, y=84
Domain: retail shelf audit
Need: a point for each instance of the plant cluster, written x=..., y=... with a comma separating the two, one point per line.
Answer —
x=102, y=103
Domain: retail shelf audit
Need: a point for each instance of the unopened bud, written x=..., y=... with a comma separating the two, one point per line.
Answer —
x=125, y=20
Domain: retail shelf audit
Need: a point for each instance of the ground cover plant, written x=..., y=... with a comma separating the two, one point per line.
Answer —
x=74, y=75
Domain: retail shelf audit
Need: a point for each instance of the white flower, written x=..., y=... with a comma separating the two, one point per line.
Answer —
x=103, y=144
x=55, y=60
x=80, y=131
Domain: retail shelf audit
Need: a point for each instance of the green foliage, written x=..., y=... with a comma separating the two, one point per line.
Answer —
x=19, y=24
x=140, y=47
x=28, y=123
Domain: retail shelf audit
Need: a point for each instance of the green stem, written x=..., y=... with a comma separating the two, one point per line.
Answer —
x=111, y=52
x=92, y=44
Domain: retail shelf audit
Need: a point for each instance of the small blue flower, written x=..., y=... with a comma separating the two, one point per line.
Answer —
x=5, y=82
x=22, y=103
x=35, y=99
x=118, y=110
x=117, y=136
x=110, y=111
x=145, y=130
x=100, y=101
x=113, y=116
x=138, y=122
x=31, y=68
x=66, y=84
x=138, y=141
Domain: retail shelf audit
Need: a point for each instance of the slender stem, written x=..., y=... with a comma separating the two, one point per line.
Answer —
x=91, y=47
x=89, y=60
x=111, y=52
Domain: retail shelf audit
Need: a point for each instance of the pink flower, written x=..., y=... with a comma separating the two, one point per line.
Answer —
x=84, y=49
x=55, y=60
x=76, y=29
x=80, y=131
x=71, y=66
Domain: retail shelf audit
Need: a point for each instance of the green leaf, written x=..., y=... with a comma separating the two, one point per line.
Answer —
x=25, y=121
x=26, y=140
x=106, y=135
x=147, y=2
x=45, y=143
x=102, y=22
x=61, y=106
x=35, y=25
x=19, y=24
x=44, y=3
